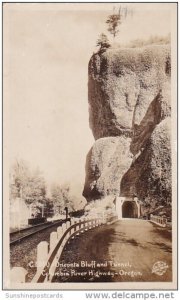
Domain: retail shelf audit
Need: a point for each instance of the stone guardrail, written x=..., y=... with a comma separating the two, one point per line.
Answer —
x=48, y=255
x=161, y=221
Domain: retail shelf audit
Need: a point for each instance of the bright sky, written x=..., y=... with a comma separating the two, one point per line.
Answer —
x=47, y=48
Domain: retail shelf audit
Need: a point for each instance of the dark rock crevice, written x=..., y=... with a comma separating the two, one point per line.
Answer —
x=155, y=113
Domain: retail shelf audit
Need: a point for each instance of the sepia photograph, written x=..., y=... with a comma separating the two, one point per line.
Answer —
x=89, y=146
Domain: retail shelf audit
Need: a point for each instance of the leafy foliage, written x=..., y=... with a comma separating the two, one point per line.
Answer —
x=113, y=22
x=30, y=186
x=156, y=40
x=103, y=42
x=61, y=197
x=27, y=184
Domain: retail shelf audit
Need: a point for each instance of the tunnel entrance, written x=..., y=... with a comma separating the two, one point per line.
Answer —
x=129, y=209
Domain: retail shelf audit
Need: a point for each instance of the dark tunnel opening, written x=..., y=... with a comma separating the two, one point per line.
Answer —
x=129, y=209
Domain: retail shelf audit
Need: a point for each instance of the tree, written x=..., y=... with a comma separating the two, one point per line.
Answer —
x=49, y=208
x=19, y=177
x=29, y=185
x=61, y=197
x=57, y=198
x=103, y=42
x=36, y=188
x=115, y=20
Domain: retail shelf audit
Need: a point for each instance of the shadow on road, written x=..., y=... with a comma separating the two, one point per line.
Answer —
x=162, y=246
x=139, y=244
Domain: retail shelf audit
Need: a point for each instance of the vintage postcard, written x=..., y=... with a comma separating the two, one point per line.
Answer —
x=90, y=103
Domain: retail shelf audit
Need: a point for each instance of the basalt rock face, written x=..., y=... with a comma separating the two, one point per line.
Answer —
x=122, y=85
x=149, y=176
x=106, y=163
x=129, y=114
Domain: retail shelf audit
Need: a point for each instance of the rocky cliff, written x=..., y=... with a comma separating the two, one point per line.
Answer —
x=129, y=114
x=106, y=163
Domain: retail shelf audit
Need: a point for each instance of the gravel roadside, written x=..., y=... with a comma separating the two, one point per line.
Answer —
x=24, y=254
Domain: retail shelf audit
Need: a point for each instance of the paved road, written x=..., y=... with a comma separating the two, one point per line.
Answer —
x=127, y=251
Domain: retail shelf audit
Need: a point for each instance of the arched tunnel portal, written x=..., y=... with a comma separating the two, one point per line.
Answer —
x=127, y=207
